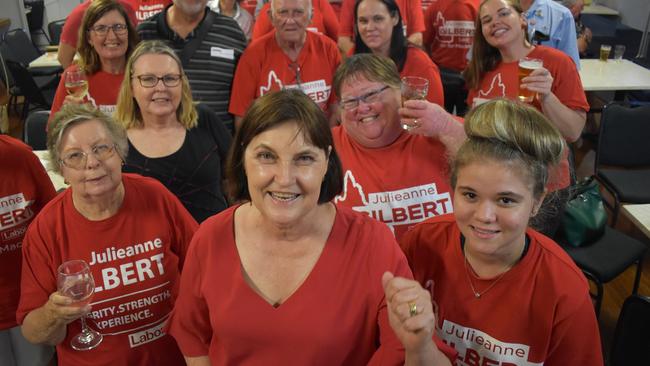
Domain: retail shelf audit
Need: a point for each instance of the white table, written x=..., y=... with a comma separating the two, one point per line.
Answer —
x=639, y=215
x=598, y=10
x=613, y=75
x=48, y=59
x=57, y=180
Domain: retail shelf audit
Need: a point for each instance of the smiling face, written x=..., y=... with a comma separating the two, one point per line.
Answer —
x=109, y=46
x=290, y=19
x=97, y=179
x=493, y=203
x=375, y=25
x=375, y=124
x=501, y=25
x=160, y=100
x=284, y=173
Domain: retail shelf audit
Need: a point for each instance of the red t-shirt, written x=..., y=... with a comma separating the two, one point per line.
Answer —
x=135, y=257
x=25, y=188
x=503, y=81
x=219, y=315
x=419, y=64
x=400, y=185
x=145, y=9
x=103, y=90
x=411, y=10
x=538, y=313
x=323, y=21
x=449, y=31
x=264, y=67
x=249, y=5
x=70, y=31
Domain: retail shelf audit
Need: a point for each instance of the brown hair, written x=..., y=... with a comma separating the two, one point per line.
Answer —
x=272, y=110
x=484, y=56
x=128, y=111
x=513, y=133
x=88, y=58
x=372, y=67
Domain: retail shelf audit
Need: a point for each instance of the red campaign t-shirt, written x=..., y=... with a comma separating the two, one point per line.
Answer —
x=323, y=21
x=449, y=31
x=135, y=257
x=219, y=315
x=70, y=31
x=419, y=64
x=249, y=5
x=264, y=67
x=503, y=81
x=400, y=185
x=411, y=10
x=145, y=9
x=25, y=188
x=538, y=313
x=103, y=90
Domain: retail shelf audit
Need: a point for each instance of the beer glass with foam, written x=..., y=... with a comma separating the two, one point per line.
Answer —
x=526, y=66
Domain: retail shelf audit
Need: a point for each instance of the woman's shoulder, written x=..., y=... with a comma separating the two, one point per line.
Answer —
x=220, y=226
x=550, y=54
x=433, y=233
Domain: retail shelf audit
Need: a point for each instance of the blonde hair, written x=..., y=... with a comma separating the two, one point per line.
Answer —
x=128, y=111
x=484, y=56
x=513, y=133
x=372, y=67
x=88, y=58
x=73, y=114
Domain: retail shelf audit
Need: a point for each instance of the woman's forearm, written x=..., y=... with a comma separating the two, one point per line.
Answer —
x=570, y=122
x=197, y=361
x=430, y=356
x=41, y=327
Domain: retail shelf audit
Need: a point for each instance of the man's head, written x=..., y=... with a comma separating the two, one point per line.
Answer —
x=290, y=19
x=191, y=7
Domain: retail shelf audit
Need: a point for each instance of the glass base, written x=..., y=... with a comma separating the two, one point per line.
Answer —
x=86, y=340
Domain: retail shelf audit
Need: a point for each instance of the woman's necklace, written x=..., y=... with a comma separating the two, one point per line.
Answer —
x=478, y=294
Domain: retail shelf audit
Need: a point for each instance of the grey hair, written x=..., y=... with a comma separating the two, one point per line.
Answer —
x=309, y=8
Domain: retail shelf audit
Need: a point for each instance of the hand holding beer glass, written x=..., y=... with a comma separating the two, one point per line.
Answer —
x=414, y=88
x=526, y=66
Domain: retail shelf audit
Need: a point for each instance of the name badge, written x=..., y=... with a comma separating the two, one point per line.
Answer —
x=222, y=53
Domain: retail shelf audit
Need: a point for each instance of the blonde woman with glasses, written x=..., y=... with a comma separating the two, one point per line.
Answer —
x=170, y=139
x=106, y=39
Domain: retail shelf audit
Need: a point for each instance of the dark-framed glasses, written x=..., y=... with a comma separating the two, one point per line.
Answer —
x=149, y=81
x=102, y=30
x=77, y=159
x=370, y=97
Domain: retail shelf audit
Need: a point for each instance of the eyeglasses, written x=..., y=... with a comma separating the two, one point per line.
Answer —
x=102, y=30
x=370, y=97
x=284, y=14
x=77, y=159
x=169, y=80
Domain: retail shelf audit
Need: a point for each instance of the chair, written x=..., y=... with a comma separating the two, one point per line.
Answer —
x=454, y=90
x=34, y=94
x=16, y=46
x=35, y=19
x=55, y=29
x=606, y=258
x=622, y=164
x=631, y=337
x=34, y=133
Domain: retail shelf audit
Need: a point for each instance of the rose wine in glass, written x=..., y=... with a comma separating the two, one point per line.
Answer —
x=76, y=282
x=76, y=83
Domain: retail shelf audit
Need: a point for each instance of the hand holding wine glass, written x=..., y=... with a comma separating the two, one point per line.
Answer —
x=75, y=281
x=76, y=85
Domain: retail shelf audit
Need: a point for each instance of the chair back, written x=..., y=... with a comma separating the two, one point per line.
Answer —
x=623, y=137
x=20, y=47
x=34, y=133
x=55, y=29
x=25, y=81
x=35, y=16
x=632, y=338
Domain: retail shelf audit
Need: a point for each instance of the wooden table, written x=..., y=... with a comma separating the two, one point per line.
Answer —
x=56, y=179
x=48, y=59
x=613, y=75
x=639, y=215
x=599, y=10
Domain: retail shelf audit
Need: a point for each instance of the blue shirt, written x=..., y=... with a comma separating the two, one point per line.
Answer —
x=555, y=21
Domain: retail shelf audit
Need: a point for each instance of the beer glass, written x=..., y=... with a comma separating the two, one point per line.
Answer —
x=414, y=88
x=526, y=66
x=619, y=51
x=605, y=49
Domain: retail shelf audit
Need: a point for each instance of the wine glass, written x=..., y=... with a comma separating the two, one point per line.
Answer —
x=76, y=282
x=413, y=88
x=76, y=83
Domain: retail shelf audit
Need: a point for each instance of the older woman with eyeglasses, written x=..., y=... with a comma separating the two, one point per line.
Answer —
x=170, y=139
x=106, y=39
x=131, y=231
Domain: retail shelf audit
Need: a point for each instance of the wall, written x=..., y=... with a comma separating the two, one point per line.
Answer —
x=634, y=13
x=13, y=9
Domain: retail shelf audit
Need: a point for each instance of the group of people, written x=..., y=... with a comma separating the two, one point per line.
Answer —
x=402, y=235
